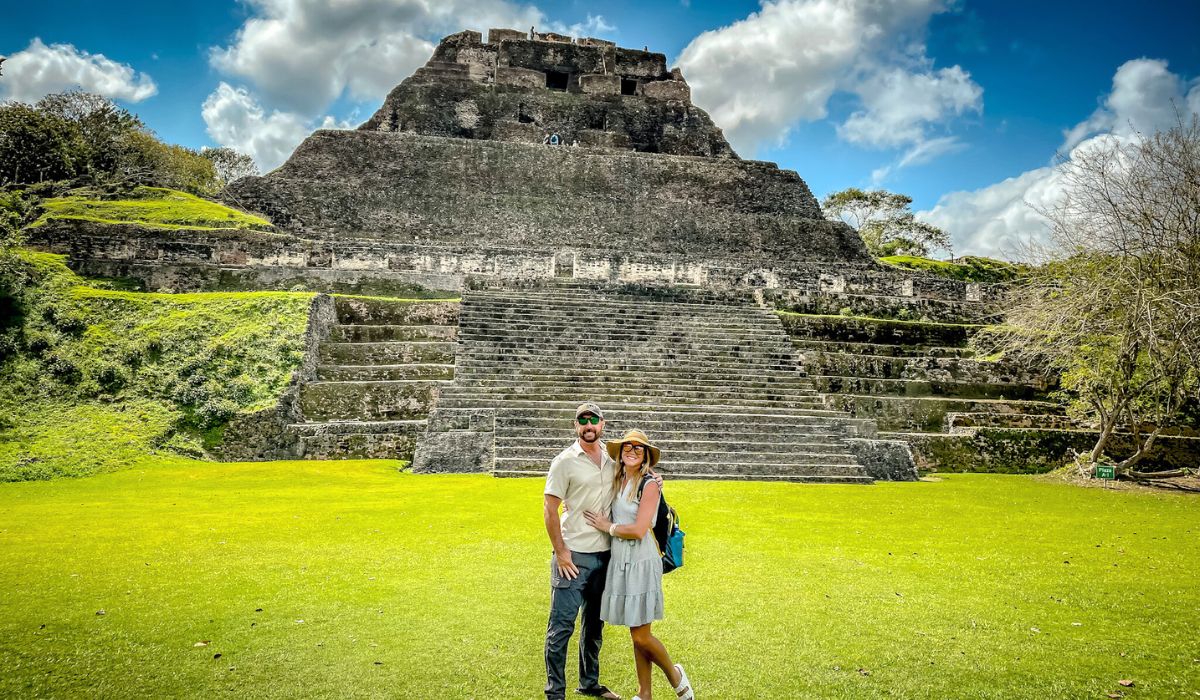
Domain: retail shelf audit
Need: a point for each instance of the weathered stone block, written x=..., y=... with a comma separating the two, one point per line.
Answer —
x=667, y=90
x=495, y=36
x=520, y=77
x=885, y=460
x=596, y=84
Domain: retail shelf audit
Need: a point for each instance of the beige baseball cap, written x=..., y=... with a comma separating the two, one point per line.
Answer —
x=589, y=407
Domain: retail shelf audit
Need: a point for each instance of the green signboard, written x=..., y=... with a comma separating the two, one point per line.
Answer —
x=1106, y=471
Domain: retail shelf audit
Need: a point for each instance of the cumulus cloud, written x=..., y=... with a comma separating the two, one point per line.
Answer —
x=40, y=70
x=781, y=65
x=300, y=55
x=235, y=119
x=899, y=104
x=998, y=220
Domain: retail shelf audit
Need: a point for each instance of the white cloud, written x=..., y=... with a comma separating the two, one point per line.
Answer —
x=235, y=119
x=300, y=55
x=900, y=104
x=40, y=70
x=919, y=154
x=781, y=65
x=1000, y=219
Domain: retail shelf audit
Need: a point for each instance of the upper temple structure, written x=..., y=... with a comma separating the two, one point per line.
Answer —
x=576, y=147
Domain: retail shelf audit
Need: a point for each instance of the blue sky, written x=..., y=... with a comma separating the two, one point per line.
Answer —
x=961, y=105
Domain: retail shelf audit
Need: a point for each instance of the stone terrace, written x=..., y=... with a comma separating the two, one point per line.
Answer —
x=710, y=376
x=379, y=372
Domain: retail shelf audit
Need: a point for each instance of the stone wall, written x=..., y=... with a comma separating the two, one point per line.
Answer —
x=1034, y=451
x=399, y=188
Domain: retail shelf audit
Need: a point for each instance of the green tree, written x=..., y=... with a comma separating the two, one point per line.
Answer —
x=230, y=164
x=885, y=222
x=1115, y=308
x=100, y=130
x=35, y=146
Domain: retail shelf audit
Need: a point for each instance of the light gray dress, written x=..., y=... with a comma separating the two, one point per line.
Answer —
x=633, y=590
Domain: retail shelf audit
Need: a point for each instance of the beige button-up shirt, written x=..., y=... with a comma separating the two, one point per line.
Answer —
x=582, y=486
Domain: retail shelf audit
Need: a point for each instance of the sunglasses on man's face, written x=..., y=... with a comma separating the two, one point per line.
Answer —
x=584, y=420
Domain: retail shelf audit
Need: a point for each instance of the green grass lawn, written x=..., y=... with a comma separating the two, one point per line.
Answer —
x=154, y=206
x=349, y=579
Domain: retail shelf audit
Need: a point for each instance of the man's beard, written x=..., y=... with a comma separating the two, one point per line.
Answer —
x=595, y=435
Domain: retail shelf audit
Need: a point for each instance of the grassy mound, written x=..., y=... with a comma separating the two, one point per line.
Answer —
x=968, y=268
x=316, y=579
x=151, y=206
x=124, y=371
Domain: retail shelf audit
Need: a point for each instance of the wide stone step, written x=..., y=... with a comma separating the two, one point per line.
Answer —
x=881, y=349
x=600, y=304
x=917, y=388
x=625, y=361
x=354, y=427
x=687, y=432
x=648, y=345
x=366, y=373
x=792, y=457
x=694, y=296
x=876, y=331
x=932, y=369
x=625, y=333
x=960, y=422
x=381, y=311
x=566, y=408
x=372, y=400
x=455, y=397
x=928, y=413
x=613, y=322
x=677, y=447
x=580, y=290
x=790, y=387
x=793, y=478
x=671, y=467
x=636, y=386
x=356, y=333
x=388, y=353
x=358, y=439
x=789, y=377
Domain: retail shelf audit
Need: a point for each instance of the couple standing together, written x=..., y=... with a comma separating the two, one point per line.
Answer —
x=606, y=561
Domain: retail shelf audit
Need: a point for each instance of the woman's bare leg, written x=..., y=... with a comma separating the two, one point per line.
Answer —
x=644, y=668
x=654, y=652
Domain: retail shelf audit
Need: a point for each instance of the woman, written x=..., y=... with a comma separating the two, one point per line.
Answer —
x=633, y=591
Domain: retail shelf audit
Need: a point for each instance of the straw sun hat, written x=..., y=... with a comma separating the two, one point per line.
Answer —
x=637, y=437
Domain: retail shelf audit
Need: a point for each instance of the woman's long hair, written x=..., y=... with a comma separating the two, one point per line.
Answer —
x=643, y=470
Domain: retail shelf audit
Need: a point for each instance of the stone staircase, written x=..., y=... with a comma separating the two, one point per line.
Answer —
x=712, y=379
x=915, y=377
x=380, y=371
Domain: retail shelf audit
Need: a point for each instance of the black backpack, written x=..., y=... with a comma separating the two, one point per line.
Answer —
x=667, y=534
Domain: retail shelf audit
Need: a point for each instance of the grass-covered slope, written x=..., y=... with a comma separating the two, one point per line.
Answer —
x=346, y=580
x=968, y=268
x=151, y=206
x=100, y=377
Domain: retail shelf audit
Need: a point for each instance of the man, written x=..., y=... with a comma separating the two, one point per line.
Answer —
x=580, y=479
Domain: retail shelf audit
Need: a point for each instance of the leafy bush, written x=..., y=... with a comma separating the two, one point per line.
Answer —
x=968, y=268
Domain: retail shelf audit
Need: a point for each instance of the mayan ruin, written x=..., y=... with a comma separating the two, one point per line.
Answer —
x=530, y=177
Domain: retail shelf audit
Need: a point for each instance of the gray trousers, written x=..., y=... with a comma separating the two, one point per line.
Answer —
x=567, y=596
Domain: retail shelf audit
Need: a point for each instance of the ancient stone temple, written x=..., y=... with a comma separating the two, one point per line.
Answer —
x=590, y=235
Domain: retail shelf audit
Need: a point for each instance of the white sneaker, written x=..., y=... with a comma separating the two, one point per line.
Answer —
x=684, y=689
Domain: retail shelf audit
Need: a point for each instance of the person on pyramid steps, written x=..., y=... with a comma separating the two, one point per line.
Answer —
x=633, y=595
